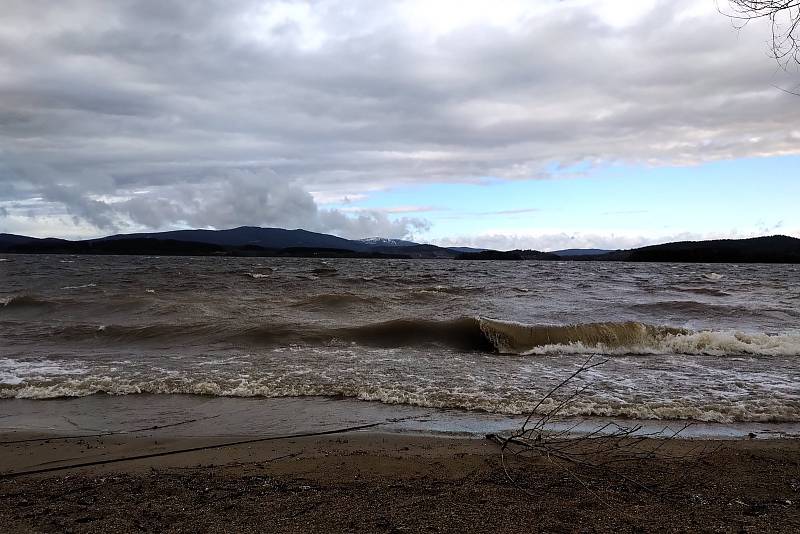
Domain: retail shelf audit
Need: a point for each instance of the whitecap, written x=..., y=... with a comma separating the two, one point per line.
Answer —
x=84, y=286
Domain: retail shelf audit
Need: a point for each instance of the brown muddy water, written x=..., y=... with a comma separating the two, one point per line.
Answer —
x=713, y=343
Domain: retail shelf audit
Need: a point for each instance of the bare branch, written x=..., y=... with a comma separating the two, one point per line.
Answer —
x=596, y=457
x=784, y=18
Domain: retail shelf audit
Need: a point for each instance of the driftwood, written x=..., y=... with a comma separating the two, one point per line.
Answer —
x=110, y=432
x=595, y=458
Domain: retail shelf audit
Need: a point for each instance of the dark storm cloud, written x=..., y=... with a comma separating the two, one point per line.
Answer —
x=210, y=113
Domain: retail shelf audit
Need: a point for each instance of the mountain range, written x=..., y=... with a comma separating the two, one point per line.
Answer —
x=241, y=241
x=256, y=241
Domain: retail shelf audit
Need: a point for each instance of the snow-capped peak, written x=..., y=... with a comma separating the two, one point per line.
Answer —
x=386, y=242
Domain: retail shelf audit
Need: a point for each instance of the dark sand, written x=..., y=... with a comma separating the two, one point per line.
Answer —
x=373, y=482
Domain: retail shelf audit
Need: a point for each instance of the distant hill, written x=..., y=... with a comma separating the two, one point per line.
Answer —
x=242, y=241
x=569, y=252
x=467, y=249
x=272, y=238
x=771, y=249
x=148, y=246
x=418, y=251
x=490, y=255
x=508, y=255
x=13, y=239
x=529, y=254
x=9, y=241
x=135, y=246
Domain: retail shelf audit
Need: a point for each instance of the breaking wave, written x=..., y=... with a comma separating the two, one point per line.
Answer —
x=68, y=383
x=611, y=338
x=630, y=338
x=477, y=334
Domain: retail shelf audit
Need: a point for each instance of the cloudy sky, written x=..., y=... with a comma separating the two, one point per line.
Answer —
x=509, y=124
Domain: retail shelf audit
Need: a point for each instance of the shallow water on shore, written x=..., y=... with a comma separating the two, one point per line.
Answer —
x=205, y=417
x=718, y=343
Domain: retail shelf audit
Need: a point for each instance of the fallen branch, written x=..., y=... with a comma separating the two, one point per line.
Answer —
x=595, y=457
x=110, y=432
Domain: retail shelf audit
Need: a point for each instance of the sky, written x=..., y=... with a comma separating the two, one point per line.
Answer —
x=542, y=124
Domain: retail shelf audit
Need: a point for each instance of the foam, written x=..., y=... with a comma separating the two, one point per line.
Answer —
x=710, y=410
x=16, y=372
x=84, y=286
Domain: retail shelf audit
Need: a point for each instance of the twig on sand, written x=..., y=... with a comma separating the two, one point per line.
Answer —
x=595, y=458
x=190, y=449
x=242, y=464
x=110, y=432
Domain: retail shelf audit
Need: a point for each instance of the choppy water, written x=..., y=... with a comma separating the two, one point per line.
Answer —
x=708, y=342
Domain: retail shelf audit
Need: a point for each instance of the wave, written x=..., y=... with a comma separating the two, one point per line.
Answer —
x=609, y=338
x=83, y=286
x=477, y=334
x=632, y=338
x=24, y=301
x=72, y=305
x=694, y=307
x=325, y=271
x=450, y=290
x=517, y=338
x=15, y=372
x=335, y=301
x=464, y=333
x=711, y=291
x=592, y=404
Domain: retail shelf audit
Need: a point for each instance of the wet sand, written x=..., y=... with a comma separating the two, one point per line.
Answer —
x=366, y=481
x=205, y=416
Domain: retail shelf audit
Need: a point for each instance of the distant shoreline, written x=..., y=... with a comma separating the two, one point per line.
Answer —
x=348, y=254
x=277, y=242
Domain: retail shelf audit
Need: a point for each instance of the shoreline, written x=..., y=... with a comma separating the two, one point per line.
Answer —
x=210, y=416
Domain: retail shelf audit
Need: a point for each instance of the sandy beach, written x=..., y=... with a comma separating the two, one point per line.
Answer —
x=368, y=481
